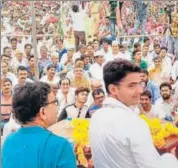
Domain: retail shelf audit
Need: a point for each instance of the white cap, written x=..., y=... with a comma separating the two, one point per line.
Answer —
x=115, y=43
x=125, y=43
x=98, y=53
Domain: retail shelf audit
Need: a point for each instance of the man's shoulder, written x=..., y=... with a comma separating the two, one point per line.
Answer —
x=58, y=140
x=153, y=84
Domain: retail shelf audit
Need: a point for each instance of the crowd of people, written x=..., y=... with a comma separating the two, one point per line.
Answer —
x=75, y=40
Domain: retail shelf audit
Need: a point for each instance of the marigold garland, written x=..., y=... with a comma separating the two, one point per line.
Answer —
x=80, y=136
x=160, y=132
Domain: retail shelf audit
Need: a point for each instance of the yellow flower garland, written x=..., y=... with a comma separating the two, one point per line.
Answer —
x=160, y=132
x=80, y=136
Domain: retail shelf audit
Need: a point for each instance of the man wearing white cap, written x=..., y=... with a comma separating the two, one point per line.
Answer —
x=96, y=69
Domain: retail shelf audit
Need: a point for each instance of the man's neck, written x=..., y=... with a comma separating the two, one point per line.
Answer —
x=144, y=54
x=115, y=52
x=44, y=58
x=50, y=78
x=137, y=61
x=36, y=123
x=79, y=104
x=21, y=82
x=7, y=95
x=105, y=50
x=20, y=60
x=60, y=48
x=100, y=64
x=65, y=93
x=27, y=54
x=5, y=74
x=168, y=101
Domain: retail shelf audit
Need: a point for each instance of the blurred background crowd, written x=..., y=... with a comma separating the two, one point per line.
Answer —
x=74, y=40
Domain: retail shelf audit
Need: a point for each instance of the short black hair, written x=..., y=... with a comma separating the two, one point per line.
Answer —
x=135, y=52
x=28, y=44
x=137, y=45
x=50, y=66
x=105, y=41
x=157, y=45
x=83, y=56
x=157, y=58
x=115, y=71
x=165, y=84
x=144, y=71
x=59, y=40
x=3, y=55
x=146, y=39
x=21, y=68
x=146, y=93
x=164, y=48
x=97, y=92
x=91, y=45
x=82, y=89
x=13, y=39
x=75, y=8
x=5, y=48
x=64, y=79
x=28, y=99
x=30, y=57
x=78, y=59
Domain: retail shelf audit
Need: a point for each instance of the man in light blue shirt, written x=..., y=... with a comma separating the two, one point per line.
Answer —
x=150, y=86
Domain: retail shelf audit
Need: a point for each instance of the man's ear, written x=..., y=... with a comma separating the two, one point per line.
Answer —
x=112, y=89
x=42, y=113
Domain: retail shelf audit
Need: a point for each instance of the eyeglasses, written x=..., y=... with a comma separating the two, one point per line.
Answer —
x=56, y=102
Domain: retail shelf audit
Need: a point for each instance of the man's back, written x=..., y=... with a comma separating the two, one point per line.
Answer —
x=35, y=147
x=120, y=139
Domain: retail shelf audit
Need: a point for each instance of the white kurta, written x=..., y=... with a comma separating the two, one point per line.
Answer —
x=119, y=138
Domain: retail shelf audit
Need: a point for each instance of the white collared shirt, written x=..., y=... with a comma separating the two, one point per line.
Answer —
x=164, y=108
x=55, y=80
x=96, y=71
x=119, y=138
x=62, y=101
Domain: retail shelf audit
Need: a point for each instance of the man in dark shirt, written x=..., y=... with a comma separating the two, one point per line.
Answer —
x=78, y=109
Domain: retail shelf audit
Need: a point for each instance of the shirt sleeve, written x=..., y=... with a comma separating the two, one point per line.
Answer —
x=67, y=158
x=156, y=93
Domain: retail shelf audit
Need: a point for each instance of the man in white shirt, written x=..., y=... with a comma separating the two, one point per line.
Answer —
x=51, y=78
x=106, y=49
x=119, y=138
x=78, y=19
x=96, y=69
x=66, y=94
x=166, y=63
x=165, y=103
x=147, y=56
x=6, y=74
x=174, y=72
x=22, y=74
x=18, y=60
x=146, y=107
